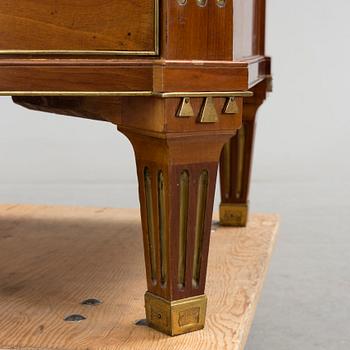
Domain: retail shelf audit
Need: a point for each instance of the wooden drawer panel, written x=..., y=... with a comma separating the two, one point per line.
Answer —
x=79, y=26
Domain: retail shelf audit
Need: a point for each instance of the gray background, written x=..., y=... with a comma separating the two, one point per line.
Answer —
x=301, y=171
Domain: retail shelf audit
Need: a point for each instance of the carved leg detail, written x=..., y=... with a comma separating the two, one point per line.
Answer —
x=177, y=144
x=235, y=171
x=176, y=186
x=236, y=164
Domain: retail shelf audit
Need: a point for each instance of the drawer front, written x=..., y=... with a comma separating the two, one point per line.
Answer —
x=116, y=27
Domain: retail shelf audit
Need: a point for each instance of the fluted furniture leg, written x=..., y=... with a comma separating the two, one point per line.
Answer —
x=177, y=175
x=236, y=164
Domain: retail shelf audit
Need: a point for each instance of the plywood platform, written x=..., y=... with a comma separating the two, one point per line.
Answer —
x=52, y=258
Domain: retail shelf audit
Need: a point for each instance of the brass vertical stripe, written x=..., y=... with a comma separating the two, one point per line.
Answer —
x=240, y=161
x=183, y=219
x=227, y=170
x=162, y=230
x=199, y=229
x=150, y=225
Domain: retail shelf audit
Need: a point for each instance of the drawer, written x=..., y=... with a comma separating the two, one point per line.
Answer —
x=77, y=27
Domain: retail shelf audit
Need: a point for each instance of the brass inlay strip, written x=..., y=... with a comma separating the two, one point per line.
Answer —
x=100, y=52
x=240, y=160
x=205, y=94
x=199, y=229
x=184, y=200
x=227, y=169
x=78, y=52
x=162, y=230
x=150, y=225
x=128, y=93
x=76, y=93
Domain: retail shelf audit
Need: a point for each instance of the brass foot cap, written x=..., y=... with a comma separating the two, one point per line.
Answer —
x=234, y=214
x=175, y=317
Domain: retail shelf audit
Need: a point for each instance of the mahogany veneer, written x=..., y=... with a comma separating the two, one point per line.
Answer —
x=74, y=25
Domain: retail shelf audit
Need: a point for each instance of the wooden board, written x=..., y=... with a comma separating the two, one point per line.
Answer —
x=75, y=25
x=52, y=258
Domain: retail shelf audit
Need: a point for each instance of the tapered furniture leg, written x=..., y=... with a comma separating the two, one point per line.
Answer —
x=236, y=164
x=177, y=176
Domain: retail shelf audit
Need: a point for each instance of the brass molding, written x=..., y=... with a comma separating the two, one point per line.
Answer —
x=154, y=52
x=205, y=94
x=150, y=224
x=77, y=93
x=226, y=170
x=175, y=317
x=183, y=224
x=202, y=195
x=129, y=93
x=234, y=214
x=162, y=229
x=240, y=160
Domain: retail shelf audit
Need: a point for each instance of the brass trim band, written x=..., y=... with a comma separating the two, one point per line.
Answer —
x=130, y=93
x=77, y=93
x=80, y=52
x=176, y=317
x=205, y=94
x=234, y=214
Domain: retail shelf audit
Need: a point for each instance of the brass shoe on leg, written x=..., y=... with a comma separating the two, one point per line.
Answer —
x=175, y=317
x=234, y=214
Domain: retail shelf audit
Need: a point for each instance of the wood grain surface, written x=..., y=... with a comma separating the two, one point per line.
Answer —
x=52, y=258
x=195, y=32
x=117, y=25
x=75, y=78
